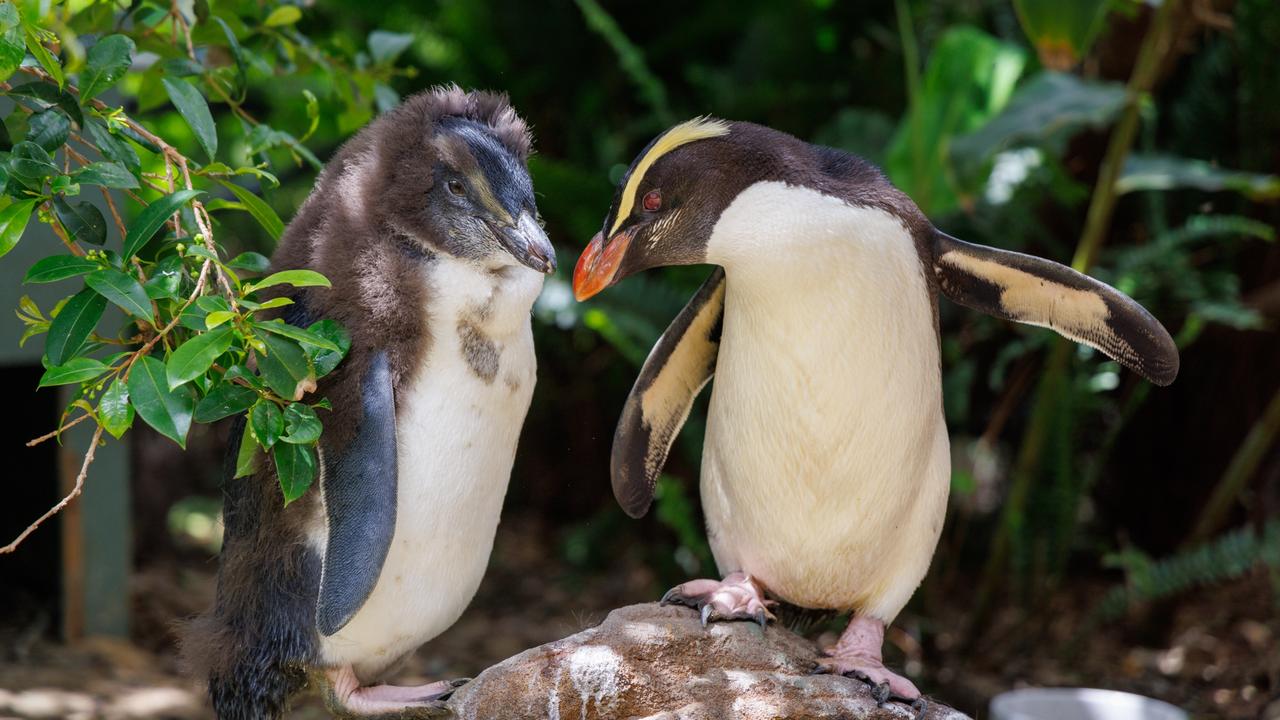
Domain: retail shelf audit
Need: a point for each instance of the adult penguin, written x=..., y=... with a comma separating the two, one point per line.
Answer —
x=826, y=463
x=425, y=223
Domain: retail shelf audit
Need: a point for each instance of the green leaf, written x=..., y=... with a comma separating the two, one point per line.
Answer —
x=12, y=47
x=1061, y=31
x=195, y=110
x=385, y=46
x=285, y=367
x=114, y=148
x=295, y=468
x=43, y=56
x=1046, y=111
x=251, y=261
x=326, y=360
x=75, y=370
x=306, y=337
x=969, y=77
x=1167, y=172
x=121, y=289
x=168, y=411
x=49, y=95
x=192, y=358
x=150, y=219
x=106, y=63
x=106, y=174
x=218, y=317
x=166, y=278
x=302, y=427
x=283, y=15
x=68, y=331
x=259, y=209
x=13, y=221
x=49, y=129
x=32, y=162
x=226, y=399
x=247, y=456
x=296, y=278
x=82, y=219
x=274, y=302
x=115, y=413
x=267, y=423
x=58, y=267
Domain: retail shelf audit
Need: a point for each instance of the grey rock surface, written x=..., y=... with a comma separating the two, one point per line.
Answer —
x=659, y=663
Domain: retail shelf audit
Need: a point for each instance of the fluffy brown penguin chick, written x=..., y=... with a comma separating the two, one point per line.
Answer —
x=826, y=465
x=425, y=224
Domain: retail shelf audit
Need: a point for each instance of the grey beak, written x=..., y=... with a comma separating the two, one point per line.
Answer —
x=527, y=243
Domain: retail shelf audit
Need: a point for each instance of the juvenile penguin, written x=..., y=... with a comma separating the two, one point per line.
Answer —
x=425, y=223
x=826, y=465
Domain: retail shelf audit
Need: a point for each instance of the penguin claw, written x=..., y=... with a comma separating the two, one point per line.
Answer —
x=706, y=614
x=737, y=597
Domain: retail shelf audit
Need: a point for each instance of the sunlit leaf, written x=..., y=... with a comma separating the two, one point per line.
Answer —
x=259, y=209
x=283, y=15
x=218, y=317
x=150, y=219
x=195, y=110
x=192, y=358
x=168, y=411
x=12, y=46
x=247, y=457
x=115, y=413
x=106, y=63
x=75, y=370
x=122, y=290
x=296, y=278
x=82, y=219
x=43, y=56
x=295, y=468
x=13, y=221
x=1061, y=31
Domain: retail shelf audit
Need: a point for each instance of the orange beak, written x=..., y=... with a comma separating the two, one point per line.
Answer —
x=597, y=265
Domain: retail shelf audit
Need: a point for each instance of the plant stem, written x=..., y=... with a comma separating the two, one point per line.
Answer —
x=1156, y=45
x=1243, y=465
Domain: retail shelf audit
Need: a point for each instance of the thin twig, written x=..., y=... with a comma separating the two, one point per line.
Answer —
x=75, y=492
x=56, y=433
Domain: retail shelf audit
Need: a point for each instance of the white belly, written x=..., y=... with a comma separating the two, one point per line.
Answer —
x=826, y=465
x=457, y=437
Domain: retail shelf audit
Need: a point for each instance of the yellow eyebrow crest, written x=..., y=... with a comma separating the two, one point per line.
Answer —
x=686, y=132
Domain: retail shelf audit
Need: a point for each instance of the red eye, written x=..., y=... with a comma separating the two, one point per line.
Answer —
x=652, y=201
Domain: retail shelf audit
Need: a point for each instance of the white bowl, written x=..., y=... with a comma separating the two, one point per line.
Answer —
x=1080, y=704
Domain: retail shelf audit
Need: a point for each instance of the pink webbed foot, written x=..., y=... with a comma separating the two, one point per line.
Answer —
x=857, y=655
x=347, y=698
x=736, y=597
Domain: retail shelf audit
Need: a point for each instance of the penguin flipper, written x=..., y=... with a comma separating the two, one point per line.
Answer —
x=1036, y=291
x=359, y=486
x=678, y=367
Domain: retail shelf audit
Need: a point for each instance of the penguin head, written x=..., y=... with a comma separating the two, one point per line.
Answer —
x=453, y=180
x=671, y=197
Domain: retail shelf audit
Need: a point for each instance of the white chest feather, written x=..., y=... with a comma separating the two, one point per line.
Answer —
x=457, y=424
x=826, y=467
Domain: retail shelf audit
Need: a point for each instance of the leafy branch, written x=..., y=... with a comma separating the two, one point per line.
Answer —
x=199, y=341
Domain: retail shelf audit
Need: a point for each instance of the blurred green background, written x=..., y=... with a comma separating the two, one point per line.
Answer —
x=1101, y=531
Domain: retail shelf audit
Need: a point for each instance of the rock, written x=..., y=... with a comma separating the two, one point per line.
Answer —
x=659, y=663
